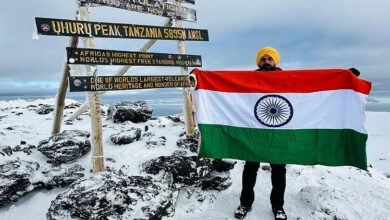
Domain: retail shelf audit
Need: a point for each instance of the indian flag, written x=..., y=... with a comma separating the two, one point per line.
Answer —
x=303, y=117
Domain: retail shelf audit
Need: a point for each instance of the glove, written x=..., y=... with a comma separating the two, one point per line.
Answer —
x=354, y=71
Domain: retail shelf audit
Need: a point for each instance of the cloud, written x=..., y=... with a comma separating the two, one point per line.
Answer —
x=308, y=35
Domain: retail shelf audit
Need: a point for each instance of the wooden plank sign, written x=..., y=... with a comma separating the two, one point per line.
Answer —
x=154, y=7
x=181, y=1
x=104, y=83
x=116, y=57
x=62, y=27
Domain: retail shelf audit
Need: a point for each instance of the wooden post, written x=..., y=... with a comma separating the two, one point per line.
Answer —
x=145, y=47
x=60, y=102
x=188, y=114
x=94, y=106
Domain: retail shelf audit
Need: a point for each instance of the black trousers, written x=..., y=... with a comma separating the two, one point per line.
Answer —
x=278, y=179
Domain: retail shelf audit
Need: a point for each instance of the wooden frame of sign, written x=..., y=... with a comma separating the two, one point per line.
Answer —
x=117, y=57
x=110, y=83
x=87, y=29
x=64, y=27
x=154, y=7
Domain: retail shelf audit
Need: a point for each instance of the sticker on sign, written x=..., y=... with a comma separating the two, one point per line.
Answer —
x=155, y=7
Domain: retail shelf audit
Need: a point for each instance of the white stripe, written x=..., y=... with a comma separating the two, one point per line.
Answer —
x=335, y=109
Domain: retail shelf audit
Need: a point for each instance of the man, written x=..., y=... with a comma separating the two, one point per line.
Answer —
x=267, y=59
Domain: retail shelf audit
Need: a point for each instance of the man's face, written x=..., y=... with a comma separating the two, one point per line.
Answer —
x=267, y=60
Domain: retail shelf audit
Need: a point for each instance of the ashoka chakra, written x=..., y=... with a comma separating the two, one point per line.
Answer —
x=273, y=110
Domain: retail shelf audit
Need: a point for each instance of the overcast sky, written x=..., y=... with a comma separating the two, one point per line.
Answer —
x=308, y=35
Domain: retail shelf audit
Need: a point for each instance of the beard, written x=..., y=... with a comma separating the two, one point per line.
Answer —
x=267, y=67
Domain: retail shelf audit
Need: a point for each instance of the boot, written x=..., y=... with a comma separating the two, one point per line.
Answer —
x=279, y=213
x=241, y=211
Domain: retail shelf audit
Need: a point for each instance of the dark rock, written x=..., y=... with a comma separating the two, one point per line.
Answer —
x=10, y=128
x=216, y=183
x=148, y=134
x=179, y=153
x=177, y=118
x=110, y=159
x=266, y=168
x=187, y=170
x=24, y=148
x=126, y=137
x=72, y=105
x=5, y=150
x=60, y=177
x=109, y=195
x=66, y=146
x=19, y=113
x=156, y=143
x=135, y=112
x=45, y=109
x=187, y=142
x=220, y=165
x=18, y=177
x=15, y=179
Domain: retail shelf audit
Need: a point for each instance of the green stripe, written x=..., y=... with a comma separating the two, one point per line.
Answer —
x=331, y=147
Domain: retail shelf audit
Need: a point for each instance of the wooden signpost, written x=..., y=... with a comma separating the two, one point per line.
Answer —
x=116, y=57
x=105, y=83
x=95, y=85
x=154, y=7
x=63, y=27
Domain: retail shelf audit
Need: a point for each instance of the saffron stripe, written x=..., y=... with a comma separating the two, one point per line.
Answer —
x=289, y=81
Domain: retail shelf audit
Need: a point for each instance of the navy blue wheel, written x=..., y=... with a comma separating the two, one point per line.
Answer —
x=273, y=110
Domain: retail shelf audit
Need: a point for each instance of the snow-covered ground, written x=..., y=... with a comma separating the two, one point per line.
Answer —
x=313, y=192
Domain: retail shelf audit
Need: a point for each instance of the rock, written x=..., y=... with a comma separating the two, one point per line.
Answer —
x=220, y=165
x=126, y=137
x=15, y=179
x=72, y=106
x=60, y=177
x=65, y=146
x=45, y=109
x=135, y=112
x=179, y=153
x=177, y=118
x=187, y=142
x=24, y=148
x=109, y=195
x=5, y=150
x=216, y=183
x=184, y=170
x=266, y=168
x=148, y=134
x=18, y=177
x=110, y=159
x=156, y=143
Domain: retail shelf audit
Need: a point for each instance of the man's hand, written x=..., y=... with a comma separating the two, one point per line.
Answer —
x=354, y=71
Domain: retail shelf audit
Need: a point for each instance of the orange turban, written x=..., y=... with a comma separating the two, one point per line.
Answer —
x=270, y=51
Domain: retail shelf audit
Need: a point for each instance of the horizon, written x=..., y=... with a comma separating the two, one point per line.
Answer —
x=308, y=35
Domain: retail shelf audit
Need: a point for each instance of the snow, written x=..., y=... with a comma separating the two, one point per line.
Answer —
x=313, y=192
